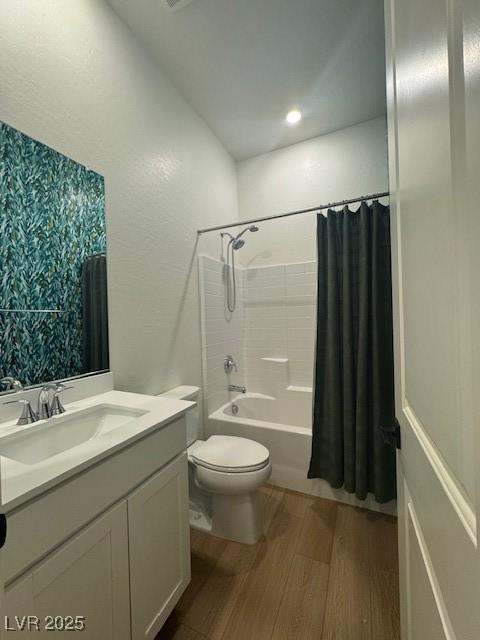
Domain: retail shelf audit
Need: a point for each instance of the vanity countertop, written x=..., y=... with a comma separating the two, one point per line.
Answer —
x=21, y=482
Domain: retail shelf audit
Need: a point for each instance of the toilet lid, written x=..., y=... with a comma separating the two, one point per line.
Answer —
x=232, y=454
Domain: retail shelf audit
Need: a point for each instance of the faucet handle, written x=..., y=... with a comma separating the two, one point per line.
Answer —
x=28, y=415
x=44, y=409
x=11, y=383
x=59, y=387
x=57, y=406
x=229, y=364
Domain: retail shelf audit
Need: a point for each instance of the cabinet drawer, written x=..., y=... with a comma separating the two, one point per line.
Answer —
x=39, y=526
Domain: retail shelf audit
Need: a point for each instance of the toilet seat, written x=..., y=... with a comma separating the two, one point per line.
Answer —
x=230, y=454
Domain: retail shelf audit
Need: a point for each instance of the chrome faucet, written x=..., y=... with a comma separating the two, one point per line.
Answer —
x=57, y=406
x=236, y=387
x=45, y=408
x=229, y=364
x=11, y=383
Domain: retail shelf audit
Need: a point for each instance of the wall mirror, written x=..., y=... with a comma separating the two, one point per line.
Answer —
x=53, y=287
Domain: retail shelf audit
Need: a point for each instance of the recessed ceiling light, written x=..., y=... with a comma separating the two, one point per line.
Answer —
x=294, y=116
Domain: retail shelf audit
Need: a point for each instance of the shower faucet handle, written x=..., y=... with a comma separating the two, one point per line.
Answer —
x=229, y=364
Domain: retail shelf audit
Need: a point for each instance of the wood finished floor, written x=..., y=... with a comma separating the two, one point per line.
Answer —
x=323, y=571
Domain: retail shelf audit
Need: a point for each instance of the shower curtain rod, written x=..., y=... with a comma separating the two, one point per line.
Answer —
x=372, y=196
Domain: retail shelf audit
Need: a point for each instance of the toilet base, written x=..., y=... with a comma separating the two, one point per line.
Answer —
x=199, y=519
x=227, y=504
x=238, y=517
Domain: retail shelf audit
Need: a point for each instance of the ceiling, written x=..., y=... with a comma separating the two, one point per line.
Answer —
x=243, y=64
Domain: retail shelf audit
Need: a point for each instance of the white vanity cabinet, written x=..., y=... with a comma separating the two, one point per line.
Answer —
x=112, y=544
x=159, y=543
x=87, y=576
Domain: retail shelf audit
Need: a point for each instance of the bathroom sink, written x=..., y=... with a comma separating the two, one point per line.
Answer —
x=51, y=437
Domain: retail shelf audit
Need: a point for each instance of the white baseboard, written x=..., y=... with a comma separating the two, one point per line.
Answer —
x=289, y=478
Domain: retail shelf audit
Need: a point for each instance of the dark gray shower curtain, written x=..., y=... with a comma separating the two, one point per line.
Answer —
x=95, y=314
x=354, y=392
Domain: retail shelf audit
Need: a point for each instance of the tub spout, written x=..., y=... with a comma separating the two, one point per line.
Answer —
x=236, y=387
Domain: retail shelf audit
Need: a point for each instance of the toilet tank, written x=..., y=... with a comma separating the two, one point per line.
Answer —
x=187, y=392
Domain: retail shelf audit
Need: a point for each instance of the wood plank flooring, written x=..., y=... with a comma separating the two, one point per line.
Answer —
x=323, y=571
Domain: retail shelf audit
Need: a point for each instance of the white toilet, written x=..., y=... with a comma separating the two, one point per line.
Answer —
x=224, y=475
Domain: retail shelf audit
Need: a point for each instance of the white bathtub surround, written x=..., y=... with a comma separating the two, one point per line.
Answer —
x=280, y=424
x=222, y=332
x=279, y=326
x=271, y=334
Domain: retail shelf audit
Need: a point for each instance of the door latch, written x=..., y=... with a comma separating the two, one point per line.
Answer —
x=392, y=435
x=3, y=529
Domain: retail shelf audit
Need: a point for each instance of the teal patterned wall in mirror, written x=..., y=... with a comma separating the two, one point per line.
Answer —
x=53, y=297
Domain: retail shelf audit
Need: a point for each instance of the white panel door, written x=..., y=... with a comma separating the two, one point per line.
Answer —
x=2, y=602
x=85, y=577
x=433, y=71
x=2, y=594
x=159, y=539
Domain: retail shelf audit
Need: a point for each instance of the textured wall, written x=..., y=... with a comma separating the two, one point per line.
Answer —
x=74, y=77
x=52, y=218
x=337, y=166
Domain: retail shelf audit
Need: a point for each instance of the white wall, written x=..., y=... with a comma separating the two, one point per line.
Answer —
x=73, y=77
x=337, y=166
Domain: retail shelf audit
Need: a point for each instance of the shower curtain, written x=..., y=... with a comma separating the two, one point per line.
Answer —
x=95, y=314
x=354, y=387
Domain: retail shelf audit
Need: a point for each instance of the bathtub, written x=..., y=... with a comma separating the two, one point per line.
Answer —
x=284, y=425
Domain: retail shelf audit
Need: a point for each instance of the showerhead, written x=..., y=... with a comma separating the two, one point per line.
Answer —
x=237, y=242
x=233, y=245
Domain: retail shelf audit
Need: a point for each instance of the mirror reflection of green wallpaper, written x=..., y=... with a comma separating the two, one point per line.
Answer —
x=52, y=217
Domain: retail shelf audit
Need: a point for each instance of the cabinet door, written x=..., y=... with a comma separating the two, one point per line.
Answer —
x=159, y=542
x=87, y=576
